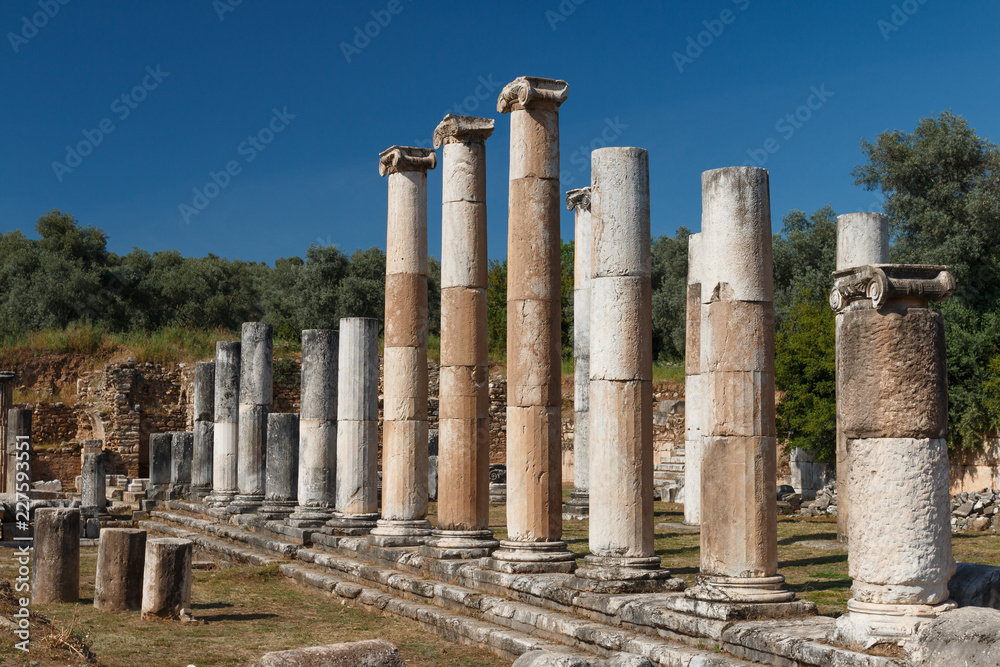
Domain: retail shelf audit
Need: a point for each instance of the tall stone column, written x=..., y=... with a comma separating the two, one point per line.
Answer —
x=739, y=542
x=18, y=456
x=7, y=380
x=862, y=238
x=282, y=466
x=204, y=429
x=160, y=445
x=534, y=364
x=578, y=505
x=55, y=575
x=317, y=429
x=694, y=386
x=621, y=556
x=891, y=366
x=464, y=450
x=357, y=427
x=256, y=397
x=166, y=580
x=121, y=555
x=225, y=434
x=93, y=485
x=404, y=426
x=181, y=457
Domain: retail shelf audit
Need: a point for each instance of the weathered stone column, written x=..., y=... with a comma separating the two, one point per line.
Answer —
x=55, y=575
x=578, y=505
x=891, y=366
x=464, y=450
x=694, y=386
x=317, y=429
x=7, y=380
x=357, y=427
x=404, y=426
x=166, y=581
x=18, y=456
x=862, y=238
x=204, y=429
x=282, y=466
x=181, y=457
x=256, y=397
x=160, y=445
x=739, y=541
x=93, y=485
x=534, y=364
x=621, y=379
x=227, y=424
x=121, y=555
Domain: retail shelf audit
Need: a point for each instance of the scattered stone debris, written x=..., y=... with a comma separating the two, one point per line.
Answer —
x=825, y=503
x=977, y=512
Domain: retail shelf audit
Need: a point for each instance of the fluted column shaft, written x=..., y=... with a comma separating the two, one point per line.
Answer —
x=282, y=466
x=225, y=433
x=256, y=399
x=204, y=429
x=694, y=386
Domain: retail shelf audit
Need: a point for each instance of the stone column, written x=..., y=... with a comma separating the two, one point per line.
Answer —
x=739, y=542
x=622, y=558
x=464, y=449
x=7, y=380
x=404, y=426
x=55, y=575
x=226, y=430
x=862, y=238
x=694, y=387
x=256, y=397
x=282, y=466
x=317, y=429
x=166, y=581
x=578, y=505
x=204, y=429
x=357, y=427
x=93, y=485
x=891, y=366
x=534, y=364
x=160, y=458
x=18, y=455
x=181, y=456
x=121, y=555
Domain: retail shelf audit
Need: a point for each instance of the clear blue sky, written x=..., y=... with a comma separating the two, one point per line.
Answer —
x=318, y=182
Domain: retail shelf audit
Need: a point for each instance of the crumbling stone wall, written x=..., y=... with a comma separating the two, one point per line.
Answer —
x=53, y=423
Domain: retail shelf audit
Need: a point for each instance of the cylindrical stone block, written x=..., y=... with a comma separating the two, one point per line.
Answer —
x=694, y=393
x=539, y=506
x=166, y=581
x=18, y=450
x=623, y=305
x=121, y=556
x=181, y=458
x=252, y=455
x=619, y=197
x=256, y=396
x=357, y=372
x=225, y=432
x=56, y=566
x=357, y=464
x=256, y=364
x=282, y=466
x=93, y=491
x=317, y=428
x=203, y=428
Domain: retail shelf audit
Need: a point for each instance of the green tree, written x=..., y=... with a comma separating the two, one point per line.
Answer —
x=669, y=283
x=567, y=260
x=496, y=307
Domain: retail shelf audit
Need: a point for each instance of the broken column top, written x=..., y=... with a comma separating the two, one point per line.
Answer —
x=578, y=199
x=862, y=238
x=880, y=284
x=532, y=91
x=462, y=129
x=406, y=158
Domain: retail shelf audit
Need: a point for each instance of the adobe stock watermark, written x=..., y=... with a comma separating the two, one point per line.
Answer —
x=22, y=533
x=900, y=14
x=562, y=12
x=30, y=25
x=223, y=7
x=248, y=150
x=788, y=125
x=696, y=44
x=485, y=91
x=364, y=34
x=580, y=158
x=122, y=107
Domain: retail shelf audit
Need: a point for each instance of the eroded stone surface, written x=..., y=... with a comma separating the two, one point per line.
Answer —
x=369, y=653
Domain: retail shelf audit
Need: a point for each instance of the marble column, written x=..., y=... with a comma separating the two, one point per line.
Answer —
x=862, y=238
x=357, y=428
x=282, y=466
x=166, y=580
x=694, y=387
x=225, y=433
x=464, y=449
x=121, y=555
x=534, y=364
x=404, y=426
x=93, y=485
x=18, y=454
x=55, y=572
x=578, y=505
x=160, y=445
x=739, y=541
x=892, y=368
x=7, y=380
x=317, y=429
x=204, y=428
x=181, y=457
x=256, y=397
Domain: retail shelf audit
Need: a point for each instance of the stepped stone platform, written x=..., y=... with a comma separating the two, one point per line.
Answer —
x=668, y=477
x=514, y=613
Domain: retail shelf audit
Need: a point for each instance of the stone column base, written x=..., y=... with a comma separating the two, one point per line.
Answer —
x=308, y=516
x=866, y=624
x=276, y=510
x=498, y=494
x=245, y=504
x=578, y=505
x=741, y=589
x=449, y=544
x=352, y=524
x=178, y=492
x=221, y=499
x=396, y=533
x=199, y=493
x=612, y=575
x=156, y=492
x=531, y=558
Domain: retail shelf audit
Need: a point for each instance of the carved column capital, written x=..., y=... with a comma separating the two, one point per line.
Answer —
x=406, y=158
x=462, y=129
x=882, y=283
x=528, y=91
x=578, y=199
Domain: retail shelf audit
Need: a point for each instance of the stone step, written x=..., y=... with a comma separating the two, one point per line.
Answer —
x=673, y=459
x=669, y=467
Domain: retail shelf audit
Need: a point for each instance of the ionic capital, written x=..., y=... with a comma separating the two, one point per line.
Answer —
x=578, y=199
x=882, y=283
x=531, y=91
x=406, y=158
x=462, y=129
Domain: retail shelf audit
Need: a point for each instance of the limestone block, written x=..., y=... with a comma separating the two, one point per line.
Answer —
x=968, y=637
x=204, y=391
x=317, y=462
x=252, y=448
x=56, y=567
x=581, y=448
x=694, y=413
x=166, y=581
x=739, y=403
x=619, y=207
x=404, y=459
x=256, y=372
x=121, y=556
x=227, y=381
x=406, y=250
x=736, y=235
x=462, y=391
x=463, y=172
x=738, y=507
x=862, y=238
x=975, y=585
x=464, y=261
x=357, y=378
x=93, y=482
x=893, y=374
x=463, y=327
x=181, y=457
x=405, y=310
x=533, y=241
x=692, y=341
x=533, y=355
x=581, y=384
x=903, y=556
x=620, y=316
x=535, y=153
x=319, y=374
x=737, y=338
x=534, y=468
x=282, y=456
x=159, y=458
x=357, y=466
x=405, y=392
x=224, y=455
x=693, y=456
x=369, y=653
x=203, y=443
x=464, y=461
